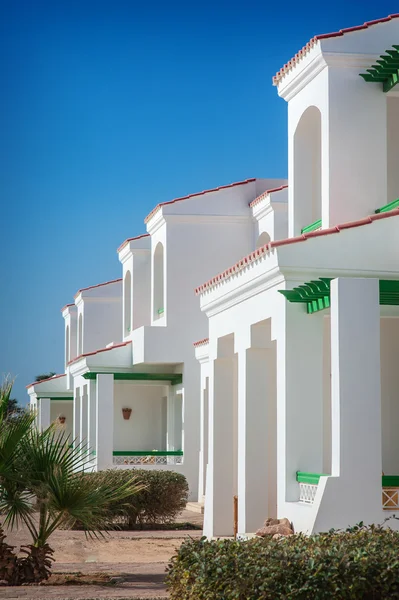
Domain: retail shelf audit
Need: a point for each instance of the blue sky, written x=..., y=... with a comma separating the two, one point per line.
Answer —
x=109, y=107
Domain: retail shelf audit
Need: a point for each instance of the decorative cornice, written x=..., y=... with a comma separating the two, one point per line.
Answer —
x=92, y=287
x=264, y=251
x=299, y=56
x=182, y=198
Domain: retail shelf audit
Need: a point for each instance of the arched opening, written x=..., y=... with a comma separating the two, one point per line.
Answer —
x=307, y=171
x=67, y=359
x=127, y=299
x=80, y=335
x=159, y=297
x=263, y=239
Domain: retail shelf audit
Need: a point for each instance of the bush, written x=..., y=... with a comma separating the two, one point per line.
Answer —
x=163, y=498
x=359, y=564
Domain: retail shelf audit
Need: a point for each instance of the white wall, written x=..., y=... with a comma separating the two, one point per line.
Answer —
x=102, y=323
x=143, y=431
x=392, y=147
x=64, y=408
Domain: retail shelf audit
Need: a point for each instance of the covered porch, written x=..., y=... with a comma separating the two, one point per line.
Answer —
x=130, y=419
x=300, y=407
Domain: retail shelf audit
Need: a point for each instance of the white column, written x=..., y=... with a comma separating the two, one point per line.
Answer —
x=220, y=480
x=170, y=420
x=76, y=417
x=253, y=439
x=105, y=421
x=44, y=413
x=203, y=439
x=353, y=493
x=91, y=392
x=84, y=417
x=356, y=386
x=299, y=398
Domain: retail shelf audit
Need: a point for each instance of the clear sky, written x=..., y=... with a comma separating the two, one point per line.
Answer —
x=111, y=106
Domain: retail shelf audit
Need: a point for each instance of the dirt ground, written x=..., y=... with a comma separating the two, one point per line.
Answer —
x=86, y=566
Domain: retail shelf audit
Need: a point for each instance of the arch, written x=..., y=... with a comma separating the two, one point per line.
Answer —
x=80, y=335
x=67, y=341
x=307, y=169
x=262, y=240
x=159, y=276
x=127, y=300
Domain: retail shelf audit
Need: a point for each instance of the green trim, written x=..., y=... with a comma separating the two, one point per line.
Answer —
x=311, y=478
x=174, y=378
x=311, y=227
x=390, y=481
x=160, y=311
x=388, y=207
x=316, y=294
x=147, y=453
x=314, y=478
x=63, y=399
x=385, y=71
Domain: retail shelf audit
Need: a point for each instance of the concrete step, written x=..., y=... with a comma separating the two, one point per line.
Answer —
x=197, y=507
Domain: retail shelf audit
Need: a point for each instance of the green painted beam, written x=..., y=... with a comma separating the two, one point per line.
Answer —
x=314, y=478
x=388, y=207
x=385, y=71
x=311, y=227
x=390, y=481
x=174, y=378
x=148, y=453
x=311, y=478
x=316, y=294
x=63, y=399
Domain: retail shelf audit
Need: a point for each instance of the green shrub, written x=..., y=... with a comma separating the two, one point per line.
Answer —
x=164, y=497
x=359, y=564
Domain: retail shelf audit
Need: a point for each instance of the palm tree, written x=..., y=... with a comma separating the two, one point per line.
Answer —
x=44, y=489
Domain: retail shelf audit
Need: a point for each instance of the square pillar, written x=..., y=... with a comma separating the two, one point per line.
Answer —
x=356, y=384
x=92, y=425
x=203, y=439
x=84, y=417
x=253, y=439
x=354, y=492
x=76, y=417
x=105, y=421
x=44, y=414
x=218, y=520
x=299, y=398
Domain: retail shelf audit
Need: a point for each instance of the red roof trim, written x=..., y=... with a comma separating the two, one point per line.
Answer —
x=43, y=380
x=99, y=351
x=138, y=237
x=302, y=238
x=91, y=287
x=66, y=306
x=299, y=55
x=217, y=189
x=201, y=342
x=266, y=193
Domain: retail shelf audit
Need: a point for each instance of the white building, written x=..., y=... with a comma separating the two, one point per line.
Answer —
x=299, y=376
x=130, y=389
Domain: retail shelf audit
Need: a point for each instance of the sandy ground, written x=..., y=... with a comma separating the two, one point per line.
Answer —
x=140, y=557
